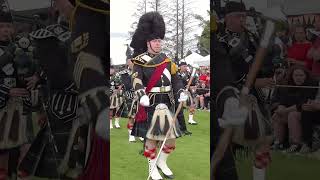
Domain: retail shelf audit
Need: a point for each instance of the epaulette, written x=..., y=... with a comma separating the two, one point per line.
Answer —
x=141, y=59
x=125, y=71
x=41, y=34
x=59, y=31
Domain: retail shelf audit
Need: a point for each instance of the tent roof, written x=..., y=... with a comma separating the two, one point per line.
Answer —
x=275, y=12
x=192, y=58
x=204, y=61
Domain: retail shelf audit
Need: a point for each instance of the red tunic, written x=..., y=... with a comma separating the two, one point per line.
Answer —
x=299, y=51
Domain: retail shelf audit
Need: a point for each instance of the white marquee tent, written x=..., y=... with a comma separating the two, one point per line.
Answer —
x=193, y=58
x=204, y=61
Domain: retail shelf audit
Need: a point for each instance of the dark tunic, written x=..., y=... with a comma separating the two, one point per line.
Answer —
x=90, y=61
x=143, y=73
x=59, y=101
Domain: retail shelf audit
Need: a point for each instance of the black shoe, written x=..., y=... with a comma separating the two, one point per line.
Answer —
x=166, y=176
x=278, y=146
x=187, y=133
x=294, y=148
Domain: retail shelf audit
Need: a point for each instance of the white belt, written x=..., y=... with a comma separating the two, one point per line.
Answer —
x=160, y=89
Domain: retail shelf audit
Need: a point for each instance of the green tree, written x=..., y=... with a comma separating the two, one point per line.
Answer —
x=204, y=40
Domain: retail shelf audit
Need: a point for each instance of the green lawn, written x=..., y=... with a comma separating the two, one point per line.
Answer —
x=190, y=160
x=285, y=167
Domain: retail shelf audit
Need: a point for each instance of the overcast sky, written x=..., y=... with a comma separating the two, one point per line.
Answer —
x=122, y=10
x=121, y=20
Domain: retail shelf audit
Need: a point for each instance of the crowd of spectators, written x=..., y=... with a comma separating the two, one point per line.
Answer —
x=296, y=99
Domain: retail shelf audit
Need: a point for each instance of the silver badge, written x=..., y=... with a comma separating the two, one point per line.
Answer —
x=24, y=42
x=58, y=30
x=8, y=69
x=9, y=82
x=146, y=58
x=234, y=42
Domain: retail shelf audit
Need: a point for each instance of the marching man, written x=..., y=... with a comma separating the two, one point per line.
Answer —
x=158, y=88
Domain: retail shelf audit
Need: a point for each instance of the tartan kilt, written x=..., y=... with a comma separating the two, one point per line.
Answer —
x=15, y=124
x=155, y=128
x=47, y=152
x=189, y=101
x=140, y=129
x=133, y=105
x=115, y=101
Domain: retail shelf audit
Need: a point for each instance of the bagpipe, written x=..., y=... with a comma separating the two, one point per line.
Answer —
x=20, y=52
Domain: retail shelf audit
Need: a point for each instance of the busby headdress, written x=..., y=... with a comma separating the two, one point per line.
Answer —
x=234, y=7
x=150, y=26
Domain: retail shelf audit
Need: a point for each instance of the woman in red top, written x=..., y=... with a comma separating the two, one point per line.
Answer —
x=204, y=77
x=297, y=53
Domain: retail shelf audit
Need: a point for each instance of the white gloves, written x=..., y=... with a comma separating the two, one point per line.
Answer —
x=233, y=114
x=183, y=97
x=144, y=101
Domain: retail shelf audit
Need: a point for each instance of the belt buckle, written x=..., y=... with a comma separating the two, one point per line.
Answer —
x=162, y=89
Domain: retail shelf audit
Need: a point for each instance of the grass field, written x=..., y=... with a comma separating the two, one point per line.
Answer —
x=285, y=167
x=190, y=160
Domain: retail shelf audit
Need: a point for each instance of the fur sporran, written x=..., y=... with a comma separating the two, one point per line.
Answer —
x=249, y=129
x=257, y=127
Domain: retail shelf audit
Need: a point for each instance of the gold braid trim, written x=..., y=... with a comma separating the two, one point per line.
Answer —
x=174, y=67
x=78, y=3
x=152, y=65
